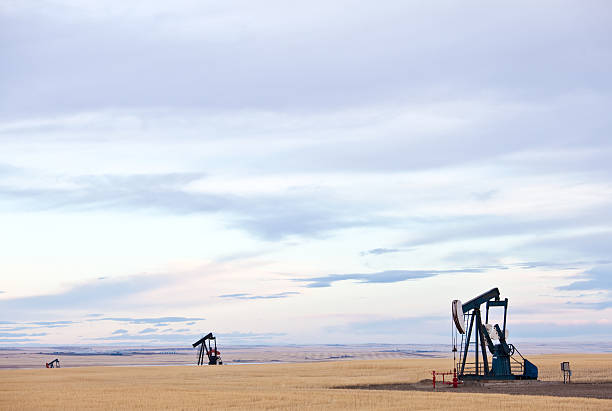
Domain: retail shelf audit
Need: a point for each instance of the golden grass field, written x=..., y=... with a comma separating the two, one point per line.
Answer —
x=303, y=386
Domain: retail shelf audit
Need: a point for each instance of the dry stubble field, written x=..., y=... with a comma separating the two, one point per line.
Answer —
x=278, y=386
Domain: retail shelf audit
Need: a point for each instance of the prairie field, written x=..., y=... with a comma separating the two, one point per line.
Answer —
x=282, y=386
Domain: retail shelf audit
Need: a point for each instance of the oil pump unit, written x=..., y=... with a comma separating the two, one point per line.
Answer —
x=53, y=364
x=208, y=345
x=507, y=363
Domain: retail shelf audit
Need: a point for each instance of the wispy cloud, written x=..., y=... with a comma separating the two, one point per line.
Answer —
x=467, y=227
x=245, y=296
x=151, y=320
x=597, y=278
x=485, y=195
x=94, y=293
x=19, y=328
x=560, y=265
x=9, y=334
x=392, y=326
x=379, y=251
x=560, y=330
x=53, y=323
x=250, y=335
x=601, y=305
x=149, y=337
x=269, y=216
x=391, y=276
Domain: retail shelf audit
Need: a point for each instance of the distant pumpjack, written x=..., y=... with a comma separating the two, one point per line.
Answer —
x=53, y=364
x=214, y=357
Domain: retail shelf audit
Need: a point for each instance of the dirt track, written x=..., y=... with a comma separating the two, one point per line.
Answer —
x=555, y=389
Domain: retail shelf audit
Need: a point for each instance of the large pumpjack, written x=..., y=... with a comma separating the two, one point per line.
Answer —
x=507, y=363
x=208, y=345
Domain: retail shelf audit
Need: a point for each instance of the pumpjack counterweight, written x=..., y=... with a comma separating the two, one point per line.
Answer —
x=208, y=346
x=507, y=363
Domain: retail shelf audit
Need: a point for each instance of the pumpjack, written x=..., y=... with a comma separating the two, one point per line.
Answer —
x=208, y=345
x=53, y=364
x=507, y=363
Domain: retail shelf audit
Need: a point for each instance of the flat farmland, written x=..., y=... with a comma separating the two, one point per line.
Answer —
x=82, y=356
x=320, y=385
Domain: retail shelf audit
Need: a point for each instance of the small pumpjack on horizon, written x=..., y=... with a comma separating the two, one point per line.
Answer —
x=53, y=364
x=507, y=363
x=208, y=345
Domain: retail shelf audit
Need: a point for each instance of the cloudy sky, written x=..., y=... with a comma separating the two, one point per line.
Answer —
x=318, y=172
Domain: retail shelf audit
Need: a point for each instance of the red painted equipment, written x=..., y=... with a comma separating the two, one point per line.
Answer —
x=455, y=381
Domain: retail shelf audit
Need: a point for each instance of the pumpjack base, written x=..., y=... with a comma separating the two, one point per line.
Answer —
x=494, y=378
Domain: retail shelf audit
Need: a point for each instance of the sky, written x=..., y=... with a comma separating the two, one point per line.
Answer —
x=303, y=172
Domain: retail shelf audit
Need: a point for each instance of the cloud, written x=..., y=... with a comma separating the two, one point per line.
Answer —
x=119, y=192
x=7, y=170
x=379, y=251
x=151, y=320
x=120, y=331
x=268, y=216
x=244, y=296
x=40, y=324
x=601, y=305
x=250, y=335
x=393, y=326
x=184, y=338
x=274, y=218
x=18, y=340
x=552, y=330
x=9, y=334
x=390, y=276
x=569, y=265
x=319, y=70
x=150, y=338
x=16, y=328
x=465, y=227
x=148, y=331
x=592, y=245
x=53, y=323
x=597, y=278
x=96, y=293
x=485, y=195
